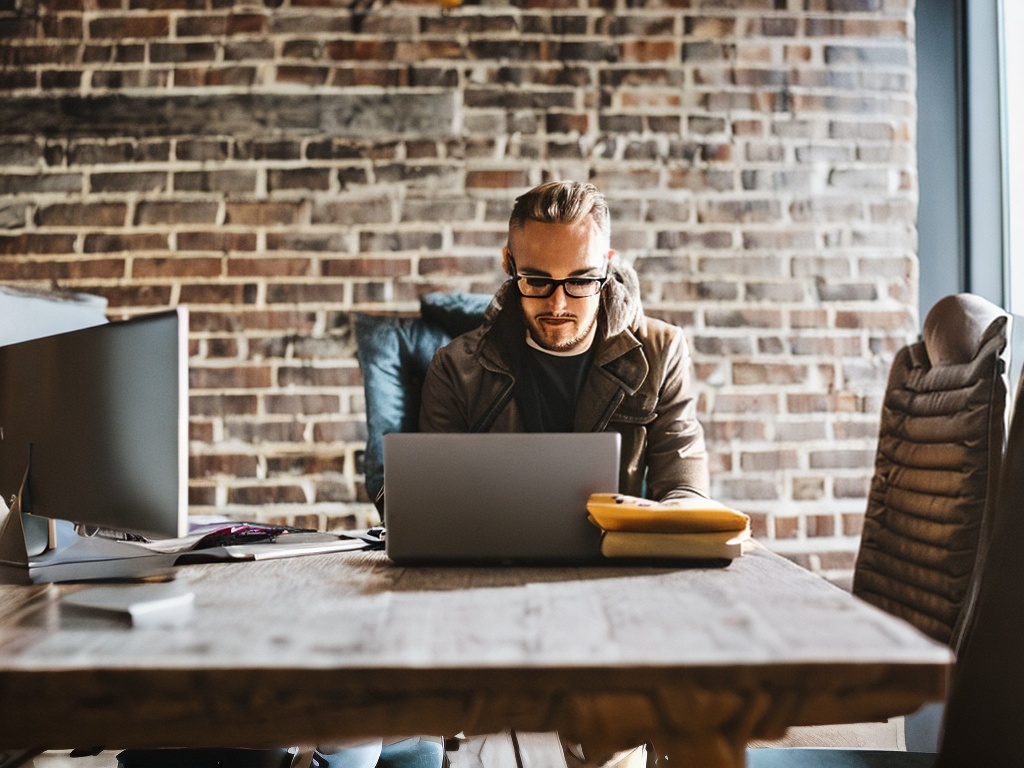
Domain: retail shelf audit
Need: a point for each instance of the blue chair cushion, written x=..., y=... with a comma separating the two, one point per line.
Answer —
x=394, y=354
x=453, y=311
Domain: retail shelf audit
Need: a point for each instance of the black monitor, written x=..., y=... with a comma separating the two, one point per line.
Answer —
x=97, y=418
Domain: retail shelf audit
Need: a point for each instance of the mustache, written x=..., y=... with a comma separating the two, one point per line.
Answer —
x=555, y=316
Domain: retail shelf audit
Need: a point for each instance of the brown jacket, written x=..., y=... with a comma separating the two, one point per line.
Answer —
x=638, y=386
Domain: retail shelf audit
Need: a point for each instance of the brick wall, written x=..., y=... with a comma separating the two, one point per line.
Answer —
x=280, y=165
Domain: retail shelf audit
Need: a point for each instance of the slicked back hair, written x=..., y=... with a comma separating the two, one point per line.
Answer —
x=562, y=202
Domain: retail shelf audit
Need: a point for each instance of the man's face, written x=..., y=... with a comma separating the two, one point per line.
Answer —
x=559, y=322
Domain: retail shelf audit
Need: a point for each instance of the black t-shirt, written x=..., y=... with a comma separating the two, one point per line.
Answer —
x=547, y=388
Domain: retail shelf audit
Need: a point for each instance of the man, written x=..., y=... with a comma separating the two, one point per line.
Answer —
x=565, y=347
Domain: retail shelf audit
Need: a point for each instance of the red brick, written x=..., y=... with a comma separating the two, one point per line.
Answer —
x=305, y=464
x=215, y=181
x=301, y=405
x=808, y=488
x=851, y=487
x=231, y=319
x=128, y=182
x=201, y=26
x=228, y=294
x=175, y=212
x=246, y=24
x=181, y=53
x=215, y=348
x=216, y=241
x=820, y=525
x=786, y=527
x=352, y=212
x=129, y=27
x=332, y=491
x=775, y=374
x=302, y=75
x=304, y=293
x=367, y=267
x=222, y=464
x=201, y=495
x=337, y=432
x=26, y=244
x=649, y=50
x=299, y=178
x=265, y=431
x=82, y=215
x=263, y=214
x=511, y=179
x=360, y=50
x=89, y=269
x=200, y=431
x=269, y=266
x=176, y=266
x=768, y=461
x=234, y=377
x=841, y=459
x=221, y=404
x=267, y=494
x=309, y=376
x=110, y=242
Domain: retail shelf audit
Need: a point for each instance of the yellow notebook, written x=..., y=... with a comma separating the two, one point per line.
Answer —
x=720, y=545
x=619, y=512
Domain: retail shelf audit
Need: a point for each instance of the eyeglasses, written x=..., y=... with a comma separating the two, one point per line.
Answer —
x=534, y=287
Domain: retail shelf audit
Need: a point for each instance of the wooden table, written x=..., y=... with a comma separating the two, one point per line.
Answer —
x=697, y=661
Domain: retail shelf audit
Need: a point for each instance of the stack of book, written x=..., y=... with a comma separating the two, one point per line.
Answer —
x=687, y=529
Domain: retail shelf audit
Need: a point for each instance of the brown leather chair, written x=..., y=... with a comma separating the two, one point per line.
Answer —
x=940, y=445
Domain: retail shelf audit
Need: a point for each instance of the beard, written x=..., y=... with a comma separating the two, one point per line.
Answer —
x=561, y=331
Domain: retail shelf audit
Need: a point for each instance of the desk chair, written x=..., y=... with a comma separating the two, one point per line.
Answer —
x=940, y=444
x=394, y=353
x=939, y=448
x=983, y=716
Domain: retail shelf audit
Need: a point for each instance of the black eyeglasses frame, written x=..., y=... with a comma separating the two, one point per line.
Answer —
x=552, y=284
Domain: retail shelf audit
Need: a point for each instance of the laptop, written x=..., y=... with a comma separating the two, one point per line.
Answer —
x=495, y=498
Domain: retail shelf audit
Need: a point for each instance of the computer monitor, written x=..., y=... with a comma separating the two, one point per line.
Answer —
x=97, y=417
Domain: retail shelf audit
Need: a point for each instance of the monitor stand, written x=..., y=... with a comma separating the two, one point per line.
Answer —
x=39, y=550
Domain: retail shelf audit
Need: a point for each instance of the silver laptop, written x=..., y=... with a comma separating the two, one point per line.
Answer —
x=495, y=498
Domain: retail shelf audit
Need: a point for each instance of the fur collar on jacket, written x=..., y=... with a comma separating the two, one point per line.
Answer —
x=620, y=301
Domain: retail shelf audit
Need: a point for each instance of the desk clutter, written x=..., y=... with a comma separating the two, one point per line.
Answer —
x=679, y=529
x=228, y=541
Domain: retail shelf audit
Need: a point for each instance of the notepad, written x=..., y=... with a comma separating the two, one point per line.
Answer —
x=723, y=545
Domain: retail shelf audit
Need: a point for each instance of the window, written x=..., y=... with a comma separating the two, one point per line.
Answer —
x=1013, y=106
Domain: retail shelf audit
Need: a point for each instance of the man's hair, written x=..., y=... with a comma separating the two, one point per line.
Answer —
x=562, y=202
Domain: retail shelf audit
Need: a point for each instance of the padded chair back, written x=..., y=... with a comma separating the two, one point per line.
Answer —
x=939, y=447
x=985, y=714
x=394, y=353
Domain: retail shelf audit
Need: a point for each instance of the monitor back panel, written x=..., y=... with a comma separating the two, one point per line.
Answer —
x=495, y=498
x=101, y=416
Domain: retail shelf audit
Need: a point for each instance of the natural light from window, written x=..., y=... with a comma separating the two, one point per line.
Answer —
x=1013, y=94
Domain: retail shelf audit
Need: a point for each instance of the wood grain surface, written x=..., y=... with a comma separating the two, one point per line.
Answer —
x=695, y=660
